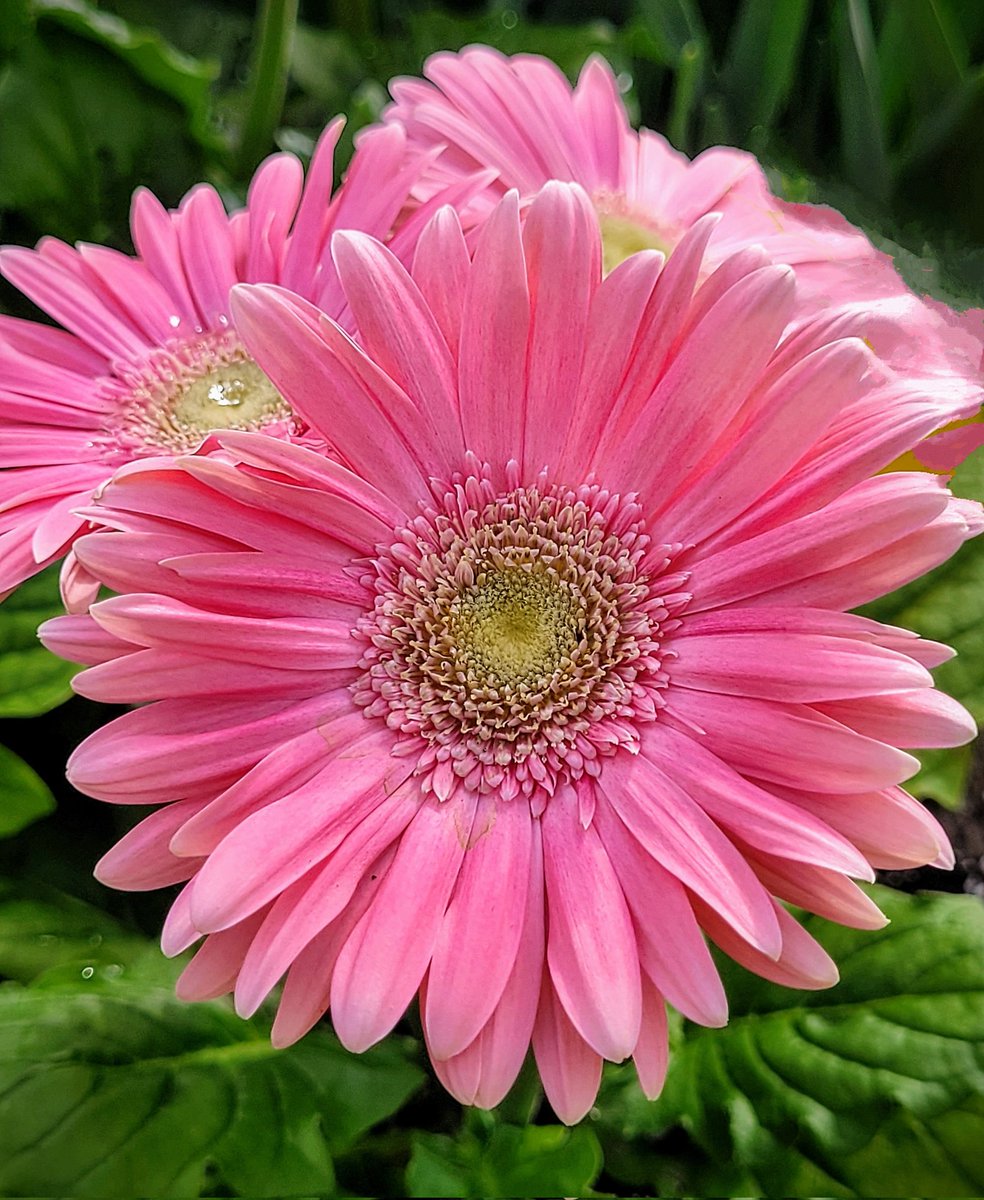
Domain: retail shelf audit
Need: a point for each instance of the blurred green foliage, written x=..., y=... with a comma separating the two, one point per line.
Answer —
x=107, y=1085
x=877, y=105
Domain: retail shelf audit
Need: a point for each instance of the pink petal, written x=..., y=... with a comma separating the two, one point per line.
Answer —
x=177, y=748
x=400, y=333
x=480, y=934
x=918, y=718
x=141, y=861
x=306, y=993
x=494, y=332
x=818, y=890
x=803, y=962
x=287, y=767
x=618, y=308
x=890, y=828
x=212, y=972
x=793, y=415
x=591, y=946
x=563, y=257
x=798, y=667
x=652, y=1053
x=71, y=302
x=207, y=253
x=671, y=949
x=383, y=961
x=787, y=743
x=440, y=269
x=307, y=238
x=80, y=639
x=683, y=839
x=305, y=908
x=274, y=193
x=313, y=374
x=569, y=1069
x=869, y=516
x=155, y=236
x=159, y=621
x=753, y=813
x=485, y=1070
x=276, y=845
x=704, y=386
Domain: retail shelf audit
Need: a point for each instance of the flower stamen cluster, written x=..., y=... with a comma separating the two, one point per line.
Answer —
x=517, y=633
x=179, y=393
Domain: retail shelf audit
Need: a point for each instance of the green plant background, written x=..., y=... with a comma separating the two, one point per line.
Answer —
x=111, y=1088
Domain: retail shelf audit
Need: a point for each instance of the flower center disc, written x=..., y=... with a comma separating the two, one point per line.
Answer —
x=515, y=635
x=233, y=396
x=622, y=237
x=172, y=400
x=515, y=626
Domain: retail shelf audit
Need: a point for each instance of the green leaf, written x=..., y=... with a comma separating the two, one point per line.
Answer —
x=24, y=797
x=675, y=25
x=83, y=124
x=44, y=932
x=538, y=1160
x=32, y=680
x=763, y=58
x=922, y=56
x=968, y=478
x=117, y=1089
x=874, y=1087
x=863, y=150
x=166, y=69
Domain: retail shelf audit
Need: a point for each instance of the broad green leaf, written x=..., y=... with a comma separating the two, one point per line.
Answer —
x=863, y=150
x=24, y=797
x=32, y=680
x=82, y=125
x=116, y=1089
x=44, y=931
x=166, y=69
x=922, y=56
x=763, y=58
x=968, y=479
x=874, y=1087
x=940, y=125
x=539, y=1160
x=675, y=25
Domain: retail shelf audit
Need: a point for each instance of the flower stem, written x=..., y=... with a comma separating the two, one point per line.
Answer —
x=267, y=81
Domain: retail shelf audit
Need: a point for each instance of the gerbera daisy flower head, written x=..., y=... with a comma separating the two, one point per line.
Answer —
x=546, y=675
x=521, y=117
x=148, y=361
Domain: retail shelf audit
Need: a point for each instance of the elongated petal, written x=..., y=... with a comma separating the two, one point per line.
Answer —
x=480, y=935
x=569, y=1068
x=591, y=946
x=384, y=959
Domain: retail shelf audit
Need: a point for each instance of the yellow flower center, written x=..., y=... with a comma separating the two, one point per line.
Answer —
x=233, y=396
x=516, y=625
x=621, y=238
x=170, y=401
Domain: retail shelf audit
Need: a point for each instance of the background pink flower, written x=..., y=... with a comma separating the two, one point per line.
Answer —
x=548, y=676
x=520, y=116
x=149, y=361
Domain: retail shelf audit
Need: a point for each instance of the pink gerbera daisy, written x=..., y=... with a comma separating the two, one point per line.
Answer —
x=148, y=361
x=547, y=676
x=521, y=117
